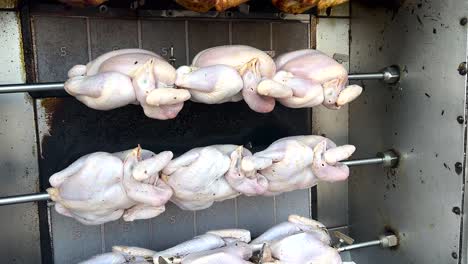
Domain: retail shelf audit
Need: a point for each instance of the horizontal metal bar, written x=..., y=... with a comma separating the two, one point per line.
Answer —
x=24, y=198
x=363, y=162
x=388, y=75
x=36, y=87
x=384, y=241
x=372, y=243
x=366, y=76
x=388, y=158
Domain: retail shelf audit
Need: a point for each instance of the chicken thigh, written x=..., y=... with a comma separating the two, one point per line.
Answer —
x=203, y=6
x=218, y=74
x=243, y=174
x=197, y=177
x=314, y=79
x=300, y=162
x=300, y=6
x=128, y=76
x=102, y=187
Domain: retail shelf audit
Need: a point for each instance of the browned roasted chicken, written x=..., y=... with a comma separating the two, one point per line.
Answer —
x=83, y=3
x=300, y=6
x=205, y=5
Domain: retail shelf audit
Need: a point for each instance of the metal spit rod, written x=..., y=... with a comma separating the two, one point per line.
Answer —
x=390, y=75
x=387, y=159
x=383, y=241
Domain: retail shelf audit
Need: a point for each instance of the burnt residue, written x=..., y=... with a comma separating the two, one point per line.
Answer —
x=447, y=167
x=76, y=130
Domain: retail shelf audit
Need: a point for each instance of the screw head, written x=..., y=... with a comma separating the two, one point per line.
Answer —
x=460, y=119
x=463, y=21
x=454, y=255
x=456, y=210
x=458, y=167
x=462, y=68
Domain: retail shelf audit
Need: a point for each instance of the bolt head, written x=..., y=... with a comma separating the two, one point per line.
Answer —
x=454, y=255
x=462, y=70
x=463, y=21
x=458, y=167
x=456, y=210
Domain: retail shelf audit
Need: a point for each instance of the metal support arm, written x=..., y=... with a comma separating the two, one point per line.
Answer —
x=387, y=159
x=390, y=75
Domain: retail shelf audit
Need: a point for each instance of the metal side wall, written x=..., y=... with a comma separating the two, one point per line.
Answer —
x=333, y=39
x=423, y=118
x=19, y=225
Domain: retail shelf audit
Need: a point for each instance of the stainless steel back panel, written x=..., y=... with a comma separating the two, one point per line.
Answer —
x=61, y=42
x=418, y=118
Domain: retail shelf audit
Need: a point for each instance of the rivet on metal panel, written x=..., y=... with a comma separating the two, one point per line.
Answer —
x=458, y=167
x=462, y=68
x=456, y=210
x=454, y=255
x=463, y=21
x=169, y=13
x=103, y=9
x=460, y=119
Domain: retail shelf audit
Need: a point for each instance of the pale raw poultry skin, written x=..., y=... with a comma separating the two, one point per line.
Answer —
x=101, y=187
x=299, y=162
x=197, y=177
x=315, y=79
x=128, y=76
x=299, y=240
x=232, y=73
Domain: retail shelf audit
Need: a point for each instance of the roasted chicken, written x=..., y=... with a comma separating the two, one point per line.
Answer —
x=300, y=6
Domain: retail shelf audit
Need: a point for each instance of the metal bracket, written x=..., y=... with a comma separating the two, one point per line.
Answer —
x=389, y=158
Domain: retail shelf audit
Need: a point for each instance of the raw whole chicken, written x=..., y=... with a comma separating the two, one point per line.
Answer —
x=298, y=241
x=300, y=6
x=197, y=177
x=211, y=240
x=230, y=73
x=303, y=248
x=203, y=6
x=299, y=162
x=232, y=241
x=296, y=224
x=314, y=79
x=128, y=76
x=102, y=187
